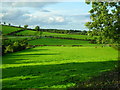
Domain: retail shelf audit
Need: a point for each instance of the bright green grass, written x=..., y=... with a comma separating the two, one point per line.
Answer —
x=55, y=67
x=27, y=32
x=54, y=41
x=16, y=38
x=9, y=29
x=68, y=35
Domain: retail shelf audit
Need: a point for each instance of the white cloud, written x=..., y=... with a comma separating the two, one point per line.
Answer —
x=59, y=19
x=1, y=15
x=26, y=13
x=50, y=19
x=12, y=14
x=27, y=4
x=43, y=0
x=45, y=19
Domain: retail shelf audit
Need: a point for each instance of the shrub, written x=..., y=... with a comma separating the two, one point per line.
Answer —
x=9, y=49
x=9, y=46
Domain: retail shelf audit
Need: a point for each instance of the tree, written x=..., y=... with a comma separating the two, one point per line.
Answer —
x=37, y=28
x=9, y=24
x=105, y=18
x=25, y=26
x=19, y=26
x=4, y=23
x=39, y=31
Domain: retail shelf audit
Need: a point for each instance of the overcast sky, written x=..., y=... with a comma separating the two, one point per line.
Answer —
x=55, y=15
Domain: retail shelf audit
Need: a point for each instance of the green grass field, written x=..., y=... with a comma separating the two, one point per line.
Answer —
x=68, y=35
x=16, y=38
x=27, y=32
x=54, y=41
x=8, y=29
x=55, y=67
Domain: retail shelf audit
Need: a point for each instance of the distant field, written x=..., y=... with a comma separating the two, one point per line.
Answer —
x=68, y=35
x=15, y=38
x=54, y=41
x=55, y=67
x=27, y=32
x=8, y=29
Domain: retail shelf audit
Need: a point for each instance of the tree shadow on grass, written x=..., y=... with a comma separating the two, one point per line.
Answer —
x=13, y=59
x=36, y=76
x=37, y=54
x=24, y=51
x=34, y=50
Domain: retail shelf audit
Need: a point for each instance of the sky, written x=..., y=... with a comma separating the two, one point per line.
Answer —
x=53, y=15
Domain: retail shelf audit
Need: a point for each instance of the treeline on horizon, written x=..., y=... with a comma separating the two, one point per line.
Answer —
x=62, y=31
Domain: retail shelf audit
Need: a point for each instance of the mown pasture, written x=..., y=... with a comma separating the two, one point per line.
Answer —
x=55, y=67
x=54, y=41
x=28, y=33
x=68, y=35
x=32, y=33
x=16, y=38
x=8, y=29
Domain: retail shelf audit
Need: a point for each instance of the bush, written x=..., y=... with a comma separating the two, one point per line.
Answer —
x=9, y=49
x=9, y=46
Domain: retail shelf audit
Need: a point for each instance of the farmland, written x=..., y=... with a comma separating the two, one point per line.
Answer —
x=59, y=63
x=16, y=38
x=28, y=32
x=68, y=35
x=8, y=29
x=60, y=45
x=55, y=67
x=54, y=41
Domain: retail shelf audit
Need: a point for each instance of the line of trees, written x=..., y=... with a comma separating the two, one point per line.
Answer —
x=78, y=32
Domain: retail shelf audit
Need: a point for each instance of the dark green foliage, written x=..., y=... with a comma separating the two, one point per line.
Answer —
x=19, y=26
x=78, y=32
x=9, y=24
x=105, y=18
x=4, y=23
x=9, y=46
x=37, y=28
x=25, y=26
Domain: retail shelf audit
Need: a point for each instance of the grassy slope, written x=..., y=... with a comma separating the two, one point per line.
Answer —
x=55, y=67
x=27, y=32
x=9, y=29
x=15, y=38
x=54, y=41
x=67, y=35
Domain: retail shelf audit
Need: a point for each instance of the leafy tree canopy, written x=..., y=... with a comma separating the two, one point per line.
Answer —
x=25, y=26
x=37, y=28
x=105, y=22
